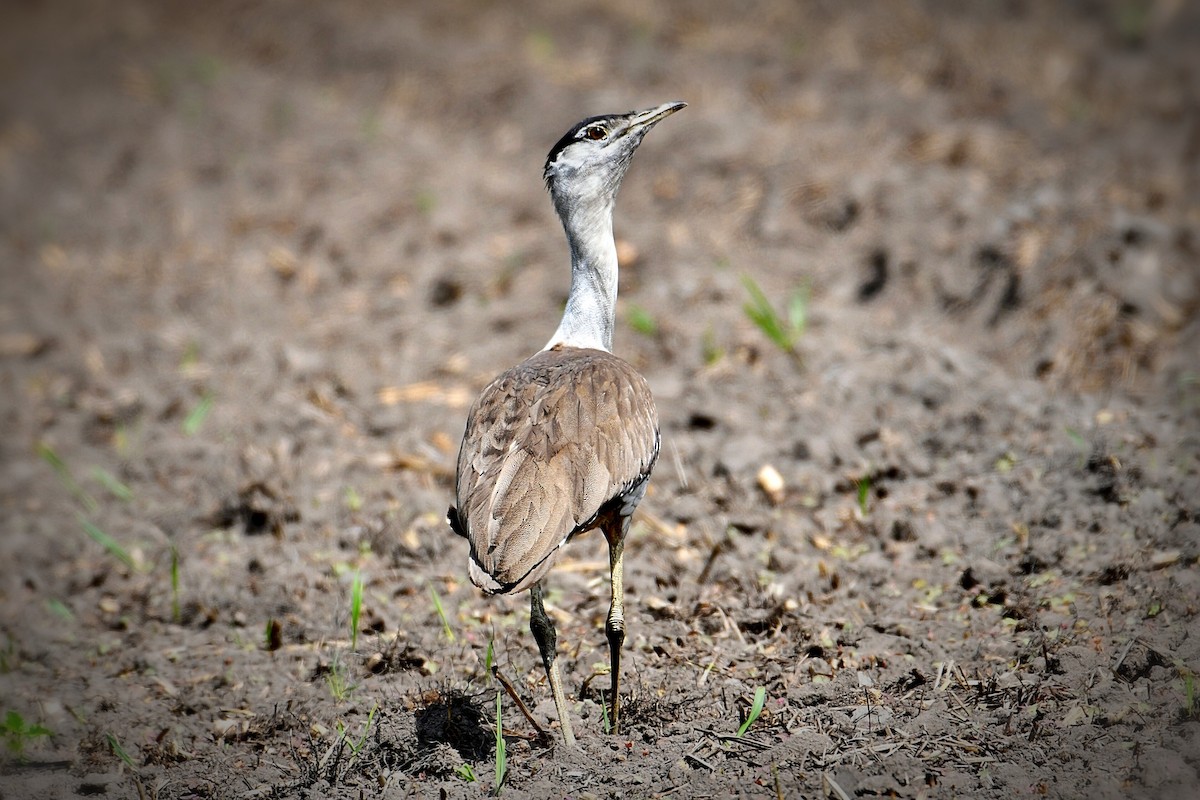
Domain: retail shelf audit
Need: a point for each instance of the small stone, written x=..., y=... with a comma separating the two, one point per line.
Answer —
x=21, y=344
x=283, y=261
x=771, y=483
x=1165, y=558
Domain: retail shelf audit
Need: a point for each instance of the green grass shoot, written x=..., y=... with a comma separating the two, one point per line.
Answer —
x=760, y=700
x=490, y=657
x=176, y=614
x=362, y=740
x=785, y=332
x=604, y=716
x=114, y=744
x=1080, y=444
x=501, y=753
x=437, y=604
x=335, y=679
x=863, y=486
x=710, y=351
x=64, y=476
x=60, y=609
x=110, y=544
x=465, y=772
x=196, y=417
x=111, y=484
x=272, y=635
x=641, y=321
x=356, y=596
x=18, y=733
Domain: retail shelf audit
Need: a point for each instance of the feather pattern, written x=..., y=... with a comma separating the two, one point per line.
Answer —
x=551, y=445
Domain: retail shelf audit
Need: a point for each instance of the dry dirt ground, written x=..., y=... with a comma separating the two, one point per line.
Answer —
x=258, y=257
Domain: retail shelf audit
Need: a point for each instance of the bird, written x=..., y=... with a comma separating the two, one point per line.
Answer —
x=564, y=442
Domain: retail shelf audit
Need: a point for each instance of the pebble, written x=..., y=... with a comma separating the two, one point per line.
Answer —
x=771, y=483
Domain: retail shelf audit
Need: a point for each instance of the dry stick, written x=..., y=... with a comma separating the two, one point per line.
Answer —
x=717, y=550
x=678, y=463
x=835, y=788
x=512, y=692
x=731, y=738
x=409, y=462
x=1124, y=653
x=665, y=529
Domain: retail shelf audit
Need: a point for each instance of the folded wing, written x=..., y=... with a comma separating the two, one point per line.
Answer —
x=549, y=445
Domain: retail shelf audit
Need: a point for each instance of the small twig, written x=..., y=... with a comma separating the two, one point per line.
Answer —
x=718, y=548
x=408, y=462
x=729, y=737
x=1124, y=652
x=543, y=735
x=834, y=787
x=678, y=463
x=664, y=528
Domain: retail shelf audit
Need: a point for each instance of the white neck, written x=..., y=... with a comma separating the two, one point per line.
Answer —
x=590, y=315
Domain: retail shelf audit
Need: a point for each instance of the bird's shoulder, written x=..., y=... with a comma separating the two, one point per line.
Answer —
x=563, y=397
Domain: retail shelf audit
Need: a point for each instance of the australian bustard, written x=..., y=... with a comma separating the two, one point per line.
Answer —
x=564, y=441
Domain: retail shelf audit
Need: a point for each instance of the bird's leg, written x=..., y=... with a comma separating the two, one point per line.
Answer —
x=543, y=631
x=615, y=627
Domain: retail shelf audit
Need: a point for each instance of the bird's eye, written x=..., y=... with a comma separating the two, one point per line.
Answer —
x=594, y=132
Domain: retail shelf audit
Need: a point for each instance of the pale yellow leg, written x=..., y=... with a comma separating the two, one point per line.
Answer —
x=615, y=627
x=543, y=631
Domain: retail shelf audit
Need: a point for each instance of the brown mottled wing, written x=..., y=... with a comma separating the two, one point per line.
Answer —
x=548, y=444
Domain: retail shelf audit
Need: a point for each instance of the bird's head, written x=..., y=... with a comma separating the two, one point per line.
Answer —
x=587, y=164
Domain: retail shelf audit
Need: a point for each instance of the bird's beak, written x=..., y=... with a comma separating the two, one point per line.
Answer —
x=652, y=116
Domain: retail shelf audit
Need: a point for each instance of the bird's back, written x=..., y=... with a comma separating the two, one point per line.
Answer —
x=550, y=445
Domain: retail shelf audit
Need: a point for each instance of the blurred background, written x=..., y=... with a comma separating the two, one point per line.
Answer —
x=934, y=263
x=1023, y=171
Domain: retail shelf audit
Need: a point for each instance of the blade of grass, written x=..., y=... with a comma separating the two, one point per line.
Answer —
x=111, y=484
x=356, y=593
x=115, y=745
x=175, y=612
x=362, y=740
x=60, y=609
x=642, y=321
x=798, y=312
x=273, y=635
x=864, y=494
x=760, y=700
x=437, y=604
x=501, y=754
x=196, y=417
x=760, y=311
x=110, y=544
x=785, y=333
x=64, y=476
